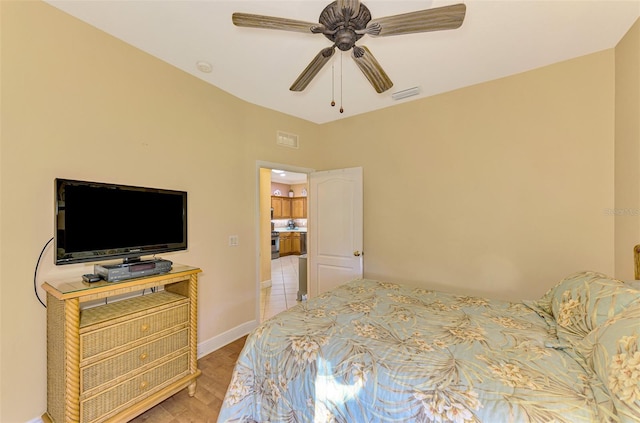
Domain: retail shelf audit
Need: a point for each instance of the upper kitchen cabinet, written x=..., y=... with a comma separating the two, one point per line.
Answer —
x=289, y=208
x=299, y=208
x=281, y=207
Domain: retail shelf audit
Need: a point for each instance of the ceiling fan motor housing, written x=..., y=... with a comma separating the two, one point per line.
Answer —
x=341, y=27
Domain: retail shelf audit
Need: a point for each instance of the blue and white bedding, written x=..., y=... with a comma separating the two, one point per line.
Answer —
x=371, y=351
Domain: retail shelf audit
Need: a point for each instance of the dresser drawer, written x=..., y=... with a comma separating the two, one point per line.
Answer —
x=112, y=368
x=111, y=401
x=106, y=338
x=123, y=310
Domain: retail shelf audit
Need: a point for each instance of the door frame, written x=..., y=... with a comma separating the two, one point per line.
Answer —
x=267, y=165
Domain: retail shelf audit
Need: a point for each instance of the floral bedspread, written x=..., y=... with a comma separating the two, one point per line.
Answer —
x=371, y=351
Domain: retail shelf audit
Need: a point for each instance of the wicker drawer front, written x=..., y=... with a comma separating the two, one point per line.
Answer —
x=120, y=365
x=98, y=341
x=125, y=309
x=111, y=401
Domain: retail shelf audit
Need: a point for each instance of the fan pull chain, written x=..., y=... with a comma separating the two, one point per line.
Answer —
x=333, y=85
x=341, y=56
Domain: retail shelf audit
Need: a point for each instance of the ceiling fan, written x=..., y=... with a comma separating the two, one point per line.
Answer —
x=344, y=22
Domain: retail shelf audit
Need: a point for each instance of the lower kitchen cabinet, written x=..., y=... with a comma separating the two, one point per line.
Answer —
x=295, y=243
x=285, y=243
x=290, y=243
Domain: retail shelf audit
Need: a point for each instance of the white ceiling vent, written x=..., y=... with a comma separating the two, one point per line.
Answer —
x=287, y=140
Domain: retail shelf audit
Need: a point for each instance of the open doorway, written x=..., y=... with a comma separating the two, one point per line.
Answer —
x=283, y=217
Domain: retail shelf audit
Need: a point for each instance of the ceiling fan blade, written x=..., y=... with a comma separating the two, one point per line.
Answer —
x=436, y=19
x=312, y=69
x=371, y=69
x=271, y=22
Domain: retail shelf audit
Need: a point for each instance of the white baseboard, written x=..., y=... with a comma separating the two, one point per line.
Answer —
x=217, y=342
x=36, y=420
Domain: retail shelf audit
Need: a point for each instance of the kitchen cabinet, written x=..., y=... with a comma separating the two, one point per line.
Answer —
x=290, y=244
x=281, y=207
x=289, y=208
x=285, y=243
x=295, y=243
x=299, y=208
x=276, y=205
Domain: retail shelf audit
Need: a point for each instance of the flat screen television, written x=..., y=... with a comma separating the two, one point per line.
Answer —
x=97, y=221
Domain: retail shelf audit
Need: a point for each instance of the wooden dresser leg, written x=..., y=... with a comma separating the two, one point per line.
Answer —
x=192, y=389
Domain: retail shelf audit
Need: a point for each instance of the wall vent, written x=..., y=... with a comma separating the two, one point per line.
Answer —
x=287, y=140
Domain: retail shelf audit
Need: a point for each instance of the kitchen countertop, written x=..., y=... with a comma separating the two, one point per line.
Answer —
x=290, y=230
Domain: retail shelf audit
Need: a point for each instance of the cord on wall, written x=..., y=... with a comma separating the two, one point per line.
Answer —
x=35, y=273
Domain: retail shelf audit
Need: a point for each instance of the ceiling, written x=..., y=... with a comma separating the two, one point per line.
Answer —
x=498, y=38
x=288, y=178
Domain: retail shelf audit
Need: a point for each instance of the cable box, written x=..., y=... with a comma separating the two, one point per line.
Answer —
x=122, y=271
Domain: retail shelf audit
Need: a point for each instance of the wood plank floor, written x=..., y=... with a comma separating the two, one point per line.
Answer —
x=212, y=385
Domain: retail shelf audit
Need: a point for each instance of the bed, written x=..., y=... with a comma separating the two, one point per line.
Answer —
x=373, y=351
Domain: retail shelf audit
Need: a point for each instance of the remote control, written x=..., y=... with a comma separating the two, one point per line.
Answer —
x=90, y=277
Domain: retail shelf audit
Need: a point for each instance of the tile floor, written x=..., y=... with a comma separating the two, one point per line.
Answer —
x=284, y=287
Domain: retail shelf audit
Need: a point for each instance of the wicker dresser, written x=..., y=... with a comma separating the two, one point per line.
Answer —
x=116, y=359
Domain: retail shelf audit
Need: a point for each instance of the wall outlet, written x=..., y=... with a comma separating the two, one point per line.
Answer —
x=233, y=240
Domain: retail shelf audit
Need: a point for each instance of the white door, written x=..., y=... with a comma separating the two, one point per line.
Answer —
x=335, y=228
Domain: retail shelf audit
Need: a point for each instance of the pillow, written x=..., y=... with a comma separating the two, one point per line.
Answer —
x=613, y=352
x=583, y=301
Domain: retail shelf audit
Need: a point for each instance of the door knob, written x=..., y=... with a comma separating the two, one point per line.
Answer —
x=357, y=253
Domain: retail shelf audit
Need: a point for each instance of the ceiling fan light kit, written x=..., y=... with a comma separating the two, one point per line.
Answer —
x=345, y=22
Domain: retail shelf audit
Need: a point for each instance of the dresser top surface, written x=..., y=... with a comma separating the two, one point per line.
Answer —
x=76, y=287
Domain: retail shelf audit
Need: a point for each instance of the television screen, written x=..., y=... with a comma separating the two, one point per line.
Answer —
x=97, y=221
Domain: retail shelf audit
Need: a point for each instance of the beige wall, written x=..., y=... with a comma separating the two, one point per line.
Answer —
x=496, y=189
x=284, y=188
x=298, y=189
x=80, y=104
x=627, y=182
x=499, y=188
